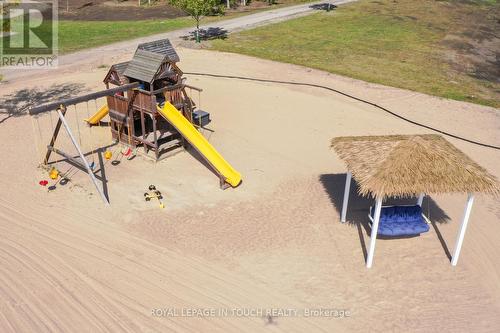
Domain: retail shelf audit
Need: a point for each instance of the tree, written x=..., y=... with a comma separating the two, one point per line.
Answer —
x=198, y=9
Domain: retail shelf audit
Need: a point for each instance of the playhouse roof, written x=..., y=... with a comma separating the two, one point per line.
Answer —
x=115, y=73
x=148, y=58
x=163, y=47
x=121, y=67
x=407, y=165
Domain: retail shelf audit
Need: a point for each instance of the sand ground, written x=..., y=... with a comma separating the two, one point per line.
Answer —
x=276, y=241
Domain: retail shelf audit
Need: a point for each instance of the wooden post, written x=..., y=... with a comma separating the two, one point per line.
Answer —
x=153, y=118
x=347, y=190
x=223, y=184
x=373, y=237
x=54, y=135
x=143, y=125
x=155, y=136
x=79, y=99
x=73, y=161
x=463, y=227
x=84, y=160
x=68, y=157
x=131, y=96
x=189, y=113
x=131, y=129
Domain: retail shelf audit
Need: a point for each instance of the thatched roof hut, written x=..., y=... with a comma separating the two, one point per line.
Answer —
x=407, y=165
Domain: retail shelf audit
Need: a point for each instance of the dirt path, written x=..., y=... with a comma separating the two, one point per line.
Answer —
x=109, y=54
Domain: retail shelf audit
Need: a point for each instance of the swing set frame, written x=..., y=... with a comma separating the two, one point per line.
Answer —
x=82, y=163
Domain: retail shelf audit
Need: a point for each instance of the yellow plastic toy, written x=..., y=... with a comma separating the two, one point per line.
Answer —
x=153, y=193
x=108, y=155
x=54, y=173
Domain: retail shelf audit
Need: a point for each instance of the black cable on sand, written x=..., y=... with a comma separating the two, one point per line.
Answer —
x=350, y=96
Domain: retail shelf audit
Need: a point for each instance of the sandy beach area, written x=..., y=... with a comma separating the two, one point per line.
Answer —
x=275, y=242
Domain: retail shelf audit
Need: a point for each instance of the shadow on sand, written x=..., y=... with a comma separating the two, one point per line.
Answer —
x=18, y=103
x=99, y=171
x=197, y=156
x=357, y=212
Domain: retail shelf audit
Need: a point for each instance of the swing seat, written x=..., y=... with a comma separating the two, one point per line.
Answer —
x=127, y=152
x=54, y=174
x=400, y=220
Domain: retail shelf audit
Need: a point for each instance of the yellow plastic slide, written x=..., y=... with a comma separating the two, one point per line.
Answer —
x=94, y=120
x=188, y=131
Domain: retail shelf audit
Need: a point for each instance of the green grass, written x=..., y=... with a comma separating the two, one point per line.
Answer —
x=77, y=35
x=392, y=43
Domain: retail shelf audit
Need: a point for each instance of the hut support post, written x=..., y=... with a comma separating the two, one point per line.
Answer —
x=346, y=196
x=84, y=160
x=461, y=231
x=420, y=200
x=373, y=237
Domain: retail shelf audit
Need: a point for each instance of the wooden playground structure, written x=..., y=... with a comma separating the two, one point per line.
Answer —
x=150, y=112
x=135, y=120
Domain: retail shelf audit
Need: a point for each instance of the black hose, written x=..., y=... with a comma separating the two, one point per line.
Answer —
x=352, y=97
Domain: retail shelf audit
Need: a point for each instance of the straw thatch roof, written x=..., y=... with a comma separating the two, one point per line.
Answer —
x=407, y=165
